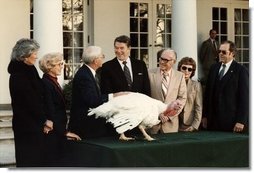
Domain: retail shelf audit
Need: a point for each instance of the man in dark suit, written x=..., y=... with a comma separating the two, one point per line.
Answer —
x=124, y=73
x=226, y=104
x=86, y=94
x=113, y=78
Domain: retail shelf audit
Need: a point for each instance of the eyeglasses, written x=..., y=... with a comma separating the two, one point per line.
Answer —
x=224, y=52
x=165, y=60
x=60, y=63
x=187, y=68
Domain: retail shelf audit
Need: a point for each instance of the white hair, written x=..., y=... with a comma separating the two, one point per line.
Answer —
x=91, y=53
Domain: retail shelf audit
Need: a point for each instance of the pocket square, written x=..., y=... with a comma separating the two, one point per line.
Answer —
x=140, y=74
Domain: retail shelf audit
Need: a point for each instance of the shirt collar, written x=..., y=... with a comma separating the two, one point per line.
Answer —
x=127, y=60
x=167, y=72
x=92, y=70
x=228, y=63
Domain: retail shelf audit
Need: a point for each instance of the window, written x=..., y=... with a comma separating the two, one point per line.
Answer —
x=163, y=26
x=31, y=19
x=241, y=22
x=72, y=36
x=150, y=29
x=220, y=23
x=139, y=31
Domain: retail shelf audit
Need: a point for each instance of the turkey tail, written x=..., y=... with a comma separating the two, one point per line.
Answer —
x=123, y=122
x=105, y=111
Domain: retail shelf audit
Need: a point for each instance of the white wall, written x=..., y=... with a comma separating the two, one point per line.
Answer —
x=110, y=20
x=14, y=25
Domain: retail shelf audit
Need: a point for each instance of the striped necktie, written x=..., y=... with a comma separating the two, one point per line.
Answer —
x=164, y=84
x=127, y=74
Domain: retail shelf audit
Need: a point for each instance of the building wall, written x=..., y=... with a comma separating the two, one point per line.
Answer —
x=111, y=19
x=14, y=25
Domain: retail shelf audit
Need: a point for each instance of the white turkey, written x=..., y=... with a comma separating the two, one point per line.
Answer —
x=128, y=111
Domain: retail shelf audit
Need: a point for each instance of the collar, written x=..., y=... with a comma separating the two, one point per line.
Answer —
x=228, y=63
x=127, y=60
x=167, y=72
x=91, y=69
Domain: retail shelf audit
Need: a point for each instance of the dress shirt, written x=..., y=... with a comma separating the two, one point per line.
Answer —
x=226, y=68
x=128, y=64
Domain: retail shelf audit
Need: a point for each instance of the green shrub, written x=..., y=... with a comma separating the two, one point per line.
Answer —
x=67, y=91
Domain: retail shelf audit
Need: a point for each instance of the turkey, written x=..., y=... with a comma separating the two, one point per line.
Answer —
x=128, y=111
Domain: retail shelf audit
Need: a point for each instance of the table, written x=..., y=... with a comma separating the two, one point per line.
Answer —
x=183, y=149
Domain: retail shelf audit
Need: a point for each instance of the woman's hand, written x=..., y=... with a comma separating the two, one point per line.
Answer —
x=48, y=126
x=72, y=136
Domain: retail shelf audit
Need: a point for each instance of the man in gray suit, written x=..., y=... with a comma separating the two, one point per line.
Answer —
x=208, y=54
x=168, y=90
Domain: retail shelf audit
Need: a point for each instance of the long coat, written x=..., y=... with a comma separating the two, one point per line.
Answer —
x=227, y=101
x=28, y=105
x=56, y=112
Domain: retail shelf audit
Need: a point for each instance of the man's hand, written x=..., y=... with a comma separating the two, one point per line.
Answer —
x=238, y=127
x=48, y=126
x=163, y=118
x=120, y=93
x=204, y=123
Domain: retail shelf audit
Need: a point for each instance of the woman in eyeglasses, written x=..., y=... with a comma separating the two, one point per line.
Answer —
x=52, y=64
x=190, y=117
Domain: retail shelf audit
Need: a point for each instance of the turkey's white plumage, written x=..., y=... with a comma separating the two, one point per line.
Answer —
x=131, y=110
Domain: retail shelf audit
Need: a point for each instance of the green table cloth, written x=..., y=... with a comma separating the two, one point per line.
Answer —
x=183, y=149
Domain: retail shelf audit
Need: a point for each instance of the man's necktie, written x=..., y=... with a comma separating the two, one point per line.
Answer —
x=97, y=81
x=127, y=74
x=221, y=73
x=164, y=84
x=214, y=45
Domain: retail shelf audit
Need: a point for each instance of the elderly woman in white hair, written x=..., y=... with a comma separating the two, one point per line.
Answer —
x=52, y=64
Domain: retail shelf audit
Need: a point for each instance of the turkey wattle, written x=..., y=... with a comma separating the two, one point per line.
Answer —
x=128, y=111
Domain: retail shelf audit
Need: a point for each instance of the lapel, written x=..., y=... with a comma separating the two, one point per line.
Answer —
x=214, y=73
x=211, y=45
x=171, y=83
x=229, y=73
x=134, y=68
x=158, y=81
x=189, y=85
x=90, y=74
x=118, y=69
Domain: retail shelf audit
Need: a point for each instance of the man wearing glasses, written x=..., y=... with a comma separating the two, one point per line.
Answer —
x=226, y=104
x=167, y=85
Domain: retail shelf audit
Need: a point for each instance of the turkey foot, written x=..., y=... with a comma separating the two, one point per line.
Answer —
x=124, y=138
x=147, y=137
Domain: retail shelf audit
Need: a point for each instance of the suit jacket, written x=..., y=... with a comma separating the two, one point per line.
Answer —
x=85, y=95
x=227, y=101
x=176, y=91
x=55, y=105
x=192, y=111
x=113, y=79
x=208, y=56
